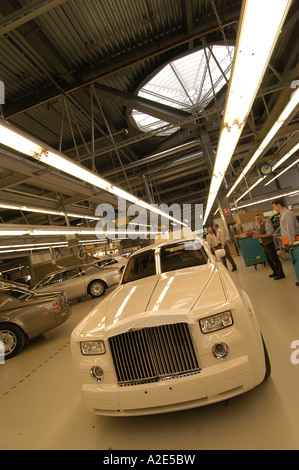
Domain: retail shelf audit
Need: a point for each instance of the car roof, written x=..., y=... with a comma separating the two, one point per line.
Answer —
x=67, y=268
x=161, y=243
x=88, y=267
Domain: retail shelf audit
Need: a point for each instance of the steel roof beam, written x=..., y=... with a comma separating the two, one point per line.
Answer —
x=158, y=110
x=27, y=13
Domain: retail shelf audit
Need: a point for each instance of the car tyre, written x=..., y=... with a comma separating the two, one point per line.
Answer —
x=97, y=288
x=13, y=338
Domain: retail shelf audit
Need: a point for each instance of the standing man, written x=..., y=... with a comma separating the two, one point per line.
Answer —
x=212, y=240
x=289, y=225
x=265, y=234
x=222, y=243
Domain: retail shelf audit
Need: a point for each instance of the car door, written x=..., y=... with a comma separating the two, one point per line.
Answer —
x=51, y=283
x=73, y=283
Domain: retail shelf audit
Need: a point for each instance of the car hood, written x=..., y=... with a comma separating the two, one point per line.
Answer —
x=165, y=298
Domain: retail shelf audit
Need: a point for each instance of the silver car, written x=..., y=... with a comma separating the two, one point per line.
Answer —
x=79, y=281
x=25, y=314
x=118, y=262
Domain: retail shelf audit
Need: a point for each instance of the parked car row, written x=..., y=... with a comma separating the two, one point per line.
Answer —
x=26, y=313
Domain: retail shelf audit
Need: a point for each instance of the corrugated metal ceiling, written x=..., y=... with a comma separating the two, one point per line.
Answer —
x=50, y=64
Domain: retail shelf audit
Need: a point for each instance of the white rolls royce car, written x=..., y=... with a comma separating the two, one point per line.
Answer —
x=176, y=333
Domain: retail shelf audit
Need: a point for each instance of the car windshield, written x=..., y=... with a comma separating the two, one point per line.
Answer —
x=50, y=279
x=183, y=254
x=17, y=294
x=140, y=266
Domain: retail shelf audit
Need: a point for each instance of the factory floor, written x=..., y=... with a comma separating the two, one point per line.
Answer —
x=41, y=406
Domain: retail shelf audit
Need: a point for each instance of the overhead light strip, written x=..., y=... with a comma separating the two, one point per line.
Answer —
x=254, y=46
x=283, y=171
x=29, y=249
x=293, y=102
x=46, y=211
x=14, y=138
x=43, y=246
x=280, y=162
x=50, y=244
x=54, y=232
x=273, y=196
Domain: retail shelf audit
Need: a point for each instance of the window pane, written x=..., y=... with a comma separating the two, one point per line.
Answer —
x=17, y=294
x=70, y=274
x=53, y=279
x=182, y=255
x=140, y=266
x=185, y=84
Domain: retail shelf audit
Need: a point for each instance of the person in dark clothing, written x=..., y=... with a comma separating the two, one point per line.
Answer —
x=265, y=234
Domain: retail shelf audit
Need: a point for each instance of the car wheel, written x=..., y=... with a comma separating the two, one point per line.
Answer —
x=13, y=339
x=97, y=288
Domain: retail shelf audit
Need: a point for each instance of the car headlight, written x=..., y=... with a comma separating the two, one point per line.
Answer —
x=216, y=322
x=92, y=348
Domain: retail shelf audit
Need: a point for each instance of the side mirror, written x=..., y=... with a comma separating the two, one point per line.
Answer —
x=220, y=254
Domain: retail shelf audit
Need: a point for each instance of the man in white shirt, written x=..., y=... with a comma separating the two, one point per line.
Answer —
x=222, y=243
x=212, y=240
x=289, y=225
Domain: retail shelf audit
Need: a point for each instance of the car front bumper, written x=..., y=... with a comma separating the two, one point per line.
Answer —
x=215, y=383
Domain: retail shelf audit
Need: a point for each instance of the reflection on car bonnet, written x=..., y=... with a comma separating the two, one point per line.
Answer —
x=149, y=319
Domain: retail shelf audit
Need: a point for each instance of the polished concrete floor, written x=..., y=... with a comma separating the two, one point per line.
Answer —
x=41, y=407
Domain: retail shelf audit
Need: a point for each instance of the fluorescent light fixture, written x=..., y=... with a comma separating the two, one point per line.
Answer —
x=254, y=46
x=10, y=233
x=280, y=162
x=43, y=246
x=289, y=108
x=52, y=232
x=251, y=188
x=29, y=246
x=285, y=157
x=226, y=146
x=50, y=212
x=292, y=193
x=283, y=171
x=17, y=140
x=29, y=249
x=66, y=231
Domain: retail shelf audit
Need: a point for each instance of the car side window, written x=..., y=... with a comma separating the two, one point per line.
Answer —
x=70, y=274
x=51, y=279
x=140, y=266
x=55, y=279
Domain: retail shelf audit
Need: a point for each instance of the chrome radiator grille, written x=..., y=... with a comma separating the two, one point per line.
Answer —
x=153, y=354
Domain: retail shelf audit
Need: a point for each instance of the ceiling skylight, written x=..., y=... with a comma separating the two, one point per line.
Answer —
x=186, y=84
